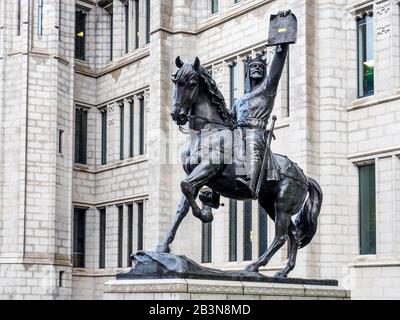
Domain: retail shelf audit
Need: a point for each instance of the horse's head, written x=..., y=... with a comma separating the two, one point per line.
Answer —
x=186, y=93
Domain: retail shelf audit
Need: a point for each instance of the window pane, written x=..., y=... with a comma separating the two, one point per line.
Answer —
x=126, y=27
x=214, y=6
x=148, y=5
x=121, y=133
x=103, y=137
x=79, y=238
x=102, y=239
x=120, y=234
x=131, y=129
x=80, y=35
x=137, y=24
x=367, y=209
x=233, y=84
x=262, y=231
x=247, y=236
x=142, y=137
x=232, y=230
x=130, y=234
x=80, y=136
x=365, y=38
x=140, y=225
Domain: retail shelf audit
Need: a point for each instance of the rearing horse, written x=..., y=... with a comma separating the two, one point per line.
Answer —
x=198, y=100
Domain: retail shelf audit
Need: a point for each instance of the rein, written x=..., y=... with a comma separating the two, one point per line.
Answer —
x=208, y=121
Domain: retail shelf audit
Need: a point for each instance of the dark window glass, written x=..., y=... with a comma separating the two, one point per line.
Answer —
x=40, y=18
x=80, y=35
x=121, y=132
x=232, y=230
x=137, y=20
x=80, y=136
x=262, y=231
x=130, y=234
x=140, y=225
x=247, y=231
x=142, y=137
x=18, y=17
x=233, y=83
x=131, y=129
x=111, y=36
x=367, y=209
x=120, y=234
x=126, y=8
x=365, y=38
x=104, y=137
x=79, y=238
x=206, y=243
x=214, y=6
x=102, y=239
x=60, y=140
x=148, y=18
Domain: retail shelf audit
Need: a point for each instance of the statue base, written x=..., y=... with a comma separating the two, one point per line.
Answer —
x=158, y=276
x=194, y=289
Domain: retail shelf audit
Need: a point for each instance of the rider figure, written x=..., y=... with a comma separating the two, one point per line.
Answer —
x=253, y=111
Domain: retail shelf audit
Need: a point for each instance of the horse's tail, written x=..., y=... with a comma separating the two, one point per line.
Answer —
x=307, y=220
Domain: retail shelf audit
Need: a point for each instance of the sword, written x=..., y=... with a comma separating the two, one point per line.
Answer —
x=265, y=162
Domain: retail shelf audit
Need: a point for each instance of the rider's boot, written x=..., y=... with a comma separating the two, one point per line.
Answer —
x=251, y=181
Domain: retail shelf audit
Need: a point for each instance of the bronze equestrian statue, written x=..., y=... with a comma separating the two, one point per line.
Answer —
x=213, y=158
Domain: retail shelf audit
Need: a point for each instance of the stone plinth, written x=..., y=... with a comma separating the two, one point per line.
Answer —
x=194, y=289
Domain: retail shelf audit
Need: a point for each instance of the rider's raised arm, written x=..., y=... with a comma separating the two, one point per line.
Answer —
x=277, y=65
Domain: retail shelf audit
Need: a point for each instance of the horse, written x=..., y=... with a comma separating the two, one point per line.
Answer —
x=197, y=100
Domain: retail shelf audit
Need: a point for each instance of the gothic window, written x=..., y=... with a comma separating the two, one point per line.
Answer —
x=40, y=18
x=262, y=231
x=104, y=137
x=80, y=35
x=102, y=238
x=130, y=233
x=131, y=128
x=233, y=83
x=140, y=208
x=232, y=230
x=367, y=205
x=79, y=238
x=365, y=47
x=80, y=136
x=142, y=127
x=214, y=6
x=120, y=234
x=247, y=230
x=121, y=131
x=148, y=20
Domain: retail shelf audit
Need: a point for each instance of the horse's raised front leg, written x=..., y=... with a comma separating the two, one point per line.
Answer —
x=194, y=182
x=293, y=248
x=181, y=212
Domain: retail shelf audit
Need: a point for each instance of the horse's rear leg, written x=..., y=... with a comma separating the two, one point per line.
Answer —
x=195, y=181
x=293, y=248
x=282, y=222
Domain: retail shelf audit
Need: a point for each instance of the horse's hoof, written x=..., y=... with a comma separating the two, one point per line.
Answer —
x=162, y=249
x=206, y=217
x=280, y=275
x=251, y=268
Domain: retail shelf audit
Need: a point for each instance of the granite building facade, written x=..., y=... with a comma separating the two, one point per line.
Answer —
x=89, y=157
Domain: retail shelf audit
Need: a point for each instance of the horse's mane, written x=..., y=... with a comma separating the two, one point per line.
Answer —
x=217, y=99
